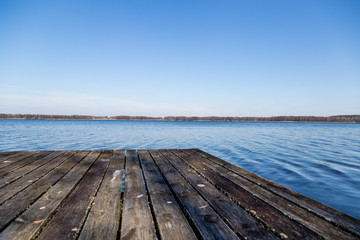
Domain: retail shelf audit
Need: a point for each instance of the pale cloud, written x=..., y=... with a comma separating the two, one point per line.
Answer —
x=79, y=103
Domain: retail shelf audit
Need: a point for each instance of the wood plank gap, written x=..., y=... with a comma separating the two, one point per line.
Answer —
x=270, y=216
x=7, y=153
x=210, y=225
x=70, y=215
x=182, y=207
x=11, y=159
x=48, y=204
x=25, y=170
x=118, y=235
x=92, y=201
x=202, y=195
x=337, y=218
x=69, y=188
x=172, y=223
x=300, y=215
x=23, y=163
x=240, y=221
x=13, y=188
x=17, y=205
x=137, y=220
x=157, y=231
x=102, y=219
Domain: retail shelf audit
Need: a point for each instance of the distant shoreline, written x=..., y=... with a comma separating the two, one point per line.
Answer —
x=333, y=119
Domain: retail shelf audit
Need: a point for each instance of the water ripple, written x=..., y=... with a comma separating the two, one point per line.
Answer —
x=320, y=160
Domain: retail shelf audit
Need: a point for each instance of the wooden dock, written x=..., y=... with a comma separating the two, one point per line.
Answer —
x=153, y=194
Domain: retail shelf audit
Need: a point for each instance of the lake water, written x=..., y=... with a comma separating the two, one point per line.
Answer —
x=319, y=160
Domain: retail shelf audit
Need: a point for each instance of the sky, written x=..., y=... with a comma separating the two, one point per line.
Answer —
x=180, y=58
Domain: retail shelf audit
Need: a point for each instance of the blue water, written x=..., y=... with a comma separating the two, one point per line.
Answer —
x=319, y=160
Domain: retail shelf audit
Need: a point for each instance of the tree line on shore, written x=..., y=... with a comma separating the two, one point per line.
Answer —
x=337, y=118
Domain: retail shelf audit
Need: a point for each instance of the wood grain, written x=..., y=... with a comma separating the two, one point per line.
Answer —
x=270, y=216
x=206, y=220
x=242, y=222
x=306, y=218
x=16, y=205
x=102, y=221
x=24, y=227
x=137, y=221
x=23, y=163
x=166, y=194
x=170, y=219
x=15, y=157
x=339, y=219
x=67, y=222
x=23, y=180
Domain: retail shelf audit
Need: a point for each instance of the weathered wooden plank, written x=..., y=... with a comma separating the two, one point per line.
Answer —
x=15, y=158
x=191, y=180
x=16, y=205
x=206, y=220
x=14, y=187
x=309, y=220
x=270, y=216
x=12, y=157
x=137, y=221
x=332, y=215
x=67, y=222
x=171, y=221
x=29, y=222
x=7, y=153
x=242, y=222
x=16, y=165
x=23, y=171
x=11, y=154
x=103, y=219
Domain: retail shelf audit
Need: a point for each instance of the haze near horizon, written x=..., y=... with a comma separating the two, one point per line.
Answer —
x=192, y=58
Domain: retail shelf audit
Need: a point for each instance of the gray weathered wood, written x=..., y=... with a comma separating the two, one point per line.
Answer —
x=19, y=164
x=7, y=153
x=67, y=222
x=23, y=171
x=29, y=222
x=169, y=194
x=103, y=218
x=23, y=182
x=332, y=215
x=16, y=205
x=208, y=223
x=137, y=222
x=311, y=221
x=270, y=216
x=171, y=221
x=12, y=158
x=243, y=223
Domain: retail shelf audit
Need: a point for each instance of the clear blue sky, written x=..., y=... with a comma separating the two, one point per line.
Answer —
x=159, y=58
